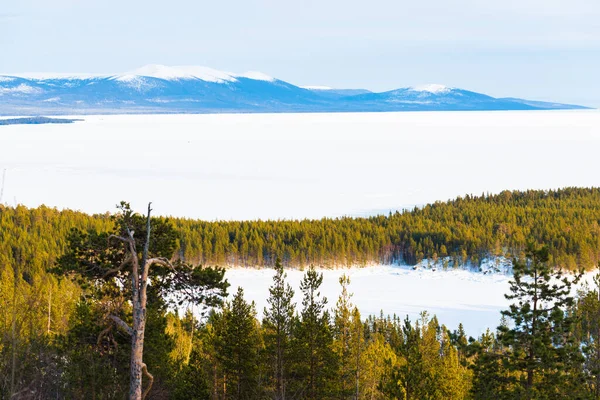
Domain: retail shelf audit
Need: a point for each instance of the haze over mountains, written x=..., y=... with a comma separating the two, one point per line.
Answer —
x=162, y=89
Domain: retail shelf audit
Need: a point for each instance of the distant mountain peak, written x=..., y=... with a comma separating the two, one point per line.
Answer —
x=435, y=88
x=196, y=72
x=183, y=72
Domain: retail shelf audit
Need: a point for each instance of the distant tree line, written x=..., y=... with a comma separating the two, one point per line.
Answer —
x=464, y=230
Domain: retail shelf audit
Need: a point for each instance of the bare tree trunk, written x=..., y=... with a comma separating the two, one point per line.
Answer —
x=137, y=353
x=140, y=284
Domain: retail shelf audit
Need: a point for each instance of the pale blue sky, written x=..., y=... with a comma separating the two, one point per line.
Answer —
x=538, y=49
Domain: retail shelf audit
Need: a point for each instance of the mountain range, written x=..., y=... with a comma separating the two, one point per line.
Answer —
x=162, y=89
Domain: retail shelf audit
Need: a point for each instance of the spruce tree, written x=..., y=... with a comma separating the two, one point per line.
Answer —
x=587, y=311
x=377, y=362
x=540, y=350
x=315, y=360
x=278, y=322
x=490, y=378
x=357, y=350
x=239, y=347
x=343, y=337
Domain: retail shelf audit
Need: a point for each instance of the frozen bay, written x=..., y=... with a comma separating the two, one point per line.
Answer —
x=249, y=166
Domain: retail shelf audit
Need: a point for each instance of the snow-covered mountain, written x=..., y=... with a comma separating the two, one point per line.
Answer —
x=190, y=89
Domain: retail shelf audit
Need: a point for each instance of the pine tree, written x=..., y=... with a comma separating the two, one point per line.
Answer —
x=121, y=265
x=278, y=320
x=540, y=350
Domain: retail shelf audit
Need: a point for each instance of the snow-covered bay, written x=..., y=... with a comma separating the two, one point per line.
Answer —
x=247, y=166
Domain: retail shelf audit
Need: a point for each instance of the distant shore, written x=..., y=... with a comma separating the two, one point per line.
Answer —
x=37, y=121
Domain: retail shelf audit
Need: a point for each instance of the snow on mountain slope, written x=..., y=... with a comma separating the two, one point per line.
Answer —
x=431, y=88
x=184, y=72
x=21, y=89
x=196, y=89
x=255, y=75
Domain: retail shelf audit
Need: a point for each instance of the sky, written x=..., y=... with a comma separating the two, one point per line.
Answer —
x=537, y=49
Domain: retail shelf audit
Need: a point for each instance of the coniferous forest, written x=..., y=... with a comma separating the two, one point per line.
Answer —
x=127, y=305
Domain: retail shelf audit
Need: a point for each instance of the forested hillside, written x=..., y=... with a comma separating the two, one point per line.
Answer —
x=466, y=229
x=68, y=306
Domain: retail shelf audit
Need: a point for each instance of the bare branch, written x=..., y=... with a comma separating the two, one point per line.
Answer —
x=144, y=281
x=135, y=277
x=112, y=271
x=147, y=243
x=150, y=379
x=121, y=324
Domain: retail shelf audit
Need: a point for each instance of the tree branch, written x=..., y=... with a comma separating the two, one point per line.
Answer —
x=147, y=243
x=121, y=238
x=102, y=334
x=112, y=271
x=122, y=324
x=144, y=282
x=135, y=270
x=160, y=261
x=150, y=379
